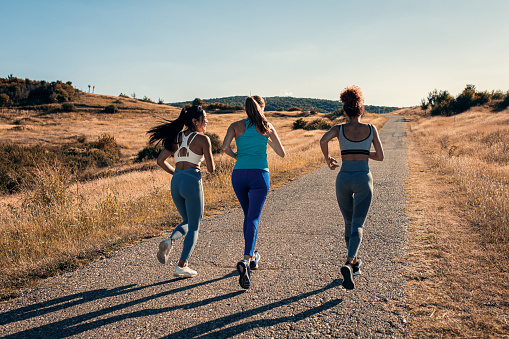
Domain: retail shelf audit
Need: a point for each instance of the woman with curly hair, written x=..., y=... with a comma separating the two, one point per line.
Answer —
x=354, y=183
x=250, y=176
x=189, y=148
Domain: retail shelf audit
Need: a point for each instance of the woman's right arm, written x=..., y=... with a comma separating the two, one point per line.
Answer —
x=324, y=145
x=162, y=161
x=230, y=134
x=207, y=153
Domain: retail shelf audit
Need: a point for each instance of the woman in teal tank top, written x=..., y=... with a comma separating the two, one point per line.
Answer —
x=250, y=176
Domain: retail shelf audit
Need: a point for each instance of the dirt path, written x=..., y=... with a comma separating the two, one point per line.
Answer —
x=296, y=293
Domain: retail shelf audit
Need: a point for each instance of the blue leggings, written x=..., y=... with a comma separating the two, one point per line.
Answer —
x=354, y=190
x=251, y=187
x=187, y=194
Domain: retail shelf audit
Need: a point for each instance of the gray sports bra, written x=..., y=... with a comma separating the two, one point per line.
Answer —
x=354, y=147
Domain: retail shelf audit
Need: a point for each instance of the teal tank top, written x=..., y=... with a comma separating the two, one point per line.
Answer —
x=251, y=149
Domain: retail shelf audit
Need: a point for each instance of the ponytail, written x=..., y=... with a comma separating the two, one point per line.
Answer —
x=254, y=110
x=167, y=132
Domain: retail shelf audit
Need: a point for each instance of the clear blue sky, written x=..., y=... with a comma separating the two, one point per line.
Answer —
x=396, y=51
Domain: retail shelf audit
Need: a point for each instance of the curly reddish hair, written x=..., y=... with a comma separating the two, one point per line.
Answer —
x=352, y=100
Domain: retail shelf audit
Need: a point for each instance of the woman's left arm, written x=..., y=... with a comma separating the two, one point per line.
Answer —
x=275, y=142
x=228, y=138
x=378, y=154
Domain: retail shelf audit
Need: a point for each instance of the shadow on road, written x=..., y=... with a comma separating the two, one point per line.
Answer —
x=202, y=330
x=75, y=325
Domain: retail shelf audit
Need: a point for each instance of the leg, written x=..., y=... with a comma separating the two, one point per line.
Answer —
x=180, y=203
x=363, y=192
x=344, y=195
x=240, y=183
x=259, y=183
x=193, y=195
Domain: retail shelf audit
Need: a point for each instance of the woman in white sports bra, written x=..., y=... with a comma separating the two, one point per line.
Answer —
x=354, y=183
x=189, y=147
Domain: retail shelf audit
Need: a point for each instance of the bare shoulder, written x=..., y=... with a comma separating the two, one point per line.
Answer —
x=240, y=123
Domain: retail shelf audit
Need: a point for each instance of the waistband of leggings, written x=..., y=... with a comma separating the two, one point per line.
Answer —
x=192, y=172
x=354, y=166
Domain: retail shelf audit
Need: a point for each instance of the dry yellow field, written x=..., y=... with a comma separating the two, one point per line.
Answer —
x=458, y=248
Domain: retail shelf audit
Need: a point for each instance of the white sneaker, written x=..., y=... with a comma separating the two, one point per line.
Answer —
x=164, y=251
x=184, y=272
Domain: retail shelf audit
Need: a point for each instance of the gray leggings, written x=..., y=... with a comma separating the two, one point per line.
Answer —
x=354, y=189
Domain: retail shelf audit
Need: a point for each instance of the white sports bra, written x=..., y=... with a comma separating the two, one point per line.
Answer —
x=189, y=155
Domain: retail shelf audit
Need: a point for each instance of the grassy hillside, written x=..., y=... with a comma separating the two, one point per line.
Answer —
x=285, y=103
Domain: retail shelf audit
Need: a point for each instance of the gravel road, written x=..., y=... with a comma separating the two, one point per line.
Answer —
x=296, y=293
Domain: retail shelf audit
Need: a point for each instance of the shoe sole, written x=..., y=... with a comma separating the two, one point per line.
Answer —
x=347, y=278
x=244, y=280
x=164, y=252
x=184, y=275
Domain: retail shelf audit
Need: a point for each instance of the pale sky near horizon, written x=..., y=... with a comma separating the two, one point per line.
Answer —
x=396, y=51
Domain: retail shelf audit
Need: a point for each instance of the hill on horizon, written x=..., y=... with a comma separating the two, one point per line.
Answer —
x=276, y=103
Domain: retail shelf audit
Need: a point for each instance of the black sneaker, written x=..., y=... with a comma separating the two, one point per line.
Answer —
x=245, y=274
x=347, y=273
x=356, y=267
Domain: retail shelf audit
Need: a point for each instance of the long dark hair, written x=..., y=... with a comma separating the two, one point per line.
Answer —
x=254, y=109
x=167, y=132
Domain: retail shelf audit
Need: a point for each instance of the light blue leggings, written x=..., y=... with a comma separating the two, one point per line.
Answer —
x=187, y=194
x=354, y=190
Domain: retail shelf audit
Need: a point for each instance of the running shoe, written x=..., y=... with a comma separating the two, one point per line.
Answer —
x=253, y=264
x=164, y=251
x=184, y=272
x=244, y=274
x=356, y=267
x=347, y=273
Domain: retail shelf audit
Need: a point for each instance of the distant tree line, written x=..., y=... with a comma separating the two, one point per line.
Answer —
x=443, y=103
x=24, y=92
x=284, y=104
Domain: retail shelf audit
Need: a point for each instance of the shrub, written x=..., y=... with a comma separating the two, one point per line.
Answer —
x=110, y=109
x=482, y=98
x=215, y=142
x=150, y=152
x=299, y=124
x=294, y=108
x=32, y=92
x=504, y=103
x=281, y=109
x=497, y=95
x=319, y=124
x=4, y=99
x=440, y=102
x=312, y=111
x=68, y=107
x=146, y=99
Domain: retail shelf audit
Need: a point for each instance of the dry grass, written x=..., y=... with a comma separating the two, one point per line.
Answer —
x=458, y=188
x=61, y=225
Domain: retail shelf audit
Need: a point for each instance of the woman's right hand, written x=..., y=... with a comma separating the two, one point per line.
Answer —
x=332, y=163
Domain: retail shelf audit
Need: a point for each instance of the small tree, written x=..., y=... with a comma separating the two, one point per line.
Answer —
x=198, y=102
x=424, y=105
